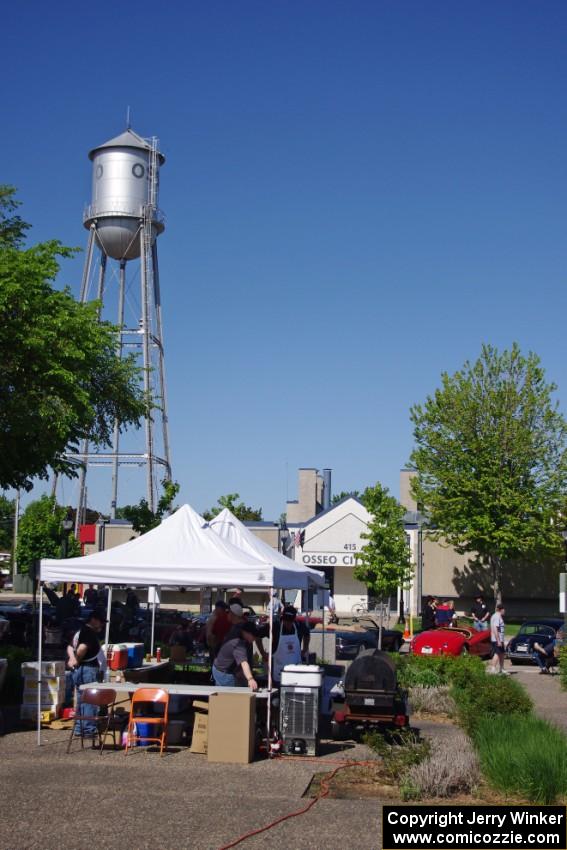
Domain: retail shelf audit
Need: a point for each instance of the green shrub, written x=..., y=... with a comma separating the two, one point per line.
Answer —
x=487, y=697
x=12, y=690
x=404, y=750
x=438, y=670
x=523, y=755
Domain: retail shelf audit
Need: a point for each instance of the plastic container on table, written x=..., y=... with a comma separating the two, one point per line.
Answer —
x=135, y=654
x=117, y=655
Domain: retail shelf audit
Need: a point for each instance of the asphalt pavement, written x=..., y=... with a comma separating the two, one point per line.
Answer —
x=54, y=801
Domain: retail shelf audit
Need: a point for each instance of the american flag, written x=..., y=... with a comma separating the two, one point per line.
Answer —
x=297, y=538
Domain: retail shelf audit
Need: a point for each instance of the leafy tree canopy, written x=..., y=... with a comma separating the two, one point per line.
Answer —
x=490, y=459
x=338, y=497
x=12, y=228
x=41, y=533
x=7, y=508
x=384, y=563
x=140, y=515
x=60, y=381
x=239, y=509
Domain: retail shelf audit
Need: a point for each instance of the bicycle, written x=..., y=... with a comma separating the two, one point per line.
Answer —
x=372, y=607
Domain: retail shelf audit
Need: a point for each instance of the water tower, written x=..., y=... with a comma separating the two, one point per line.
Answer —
x=121, y=268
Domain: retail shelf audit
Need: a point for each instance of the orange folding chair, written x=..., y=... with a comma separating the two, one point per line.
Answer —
x=101, y=698
x=138, y=714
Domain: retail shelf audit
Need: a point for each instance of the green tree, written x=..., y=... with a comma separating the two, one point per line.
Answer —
x=7, y=508
x=338, y=497
x=140, y=515
x=41, y=533
x=239, y=509
x=12, y=228
x=490, y=460
x=384, y=563
x=60, y=381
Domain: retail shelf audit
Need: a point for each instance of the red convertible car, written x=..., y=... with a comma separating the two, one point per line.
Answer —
x=452, y=641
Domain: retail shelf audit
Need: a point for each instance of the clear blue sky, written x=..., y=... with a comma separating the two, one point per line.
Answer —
x=357, y=196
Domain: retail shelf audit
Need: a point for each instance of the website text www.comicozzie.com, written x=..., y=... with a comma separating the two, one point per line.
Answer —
x=463, y=827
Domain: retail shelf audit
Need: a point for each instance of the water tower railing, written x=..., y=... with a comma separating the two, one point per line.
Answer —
x=120, y=208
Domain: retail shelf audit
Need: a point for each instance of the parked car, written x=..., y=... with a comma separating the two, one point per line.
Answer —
x=542, y=631
x=349, y=644
x=452, y=641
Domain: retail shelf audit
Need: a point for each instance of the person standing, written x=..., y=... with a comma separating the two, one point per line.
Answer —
x=290, y=643
x=428, y=614
x=218, y=626
x=275, y=605
x=480, y=614
x=332, y=610
x=497, y=640
x=90, y=596
x=86, y=658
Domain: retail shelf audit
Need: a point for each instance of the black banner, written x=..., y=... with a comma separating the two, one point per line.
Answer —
x=473, y=827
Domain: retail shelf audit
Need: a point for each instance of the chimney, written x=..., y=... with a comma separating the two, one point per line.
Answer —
x=326, y=488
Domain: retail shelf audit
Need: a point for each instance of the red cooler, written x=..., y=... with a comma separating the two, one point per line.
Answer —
x=117, y=656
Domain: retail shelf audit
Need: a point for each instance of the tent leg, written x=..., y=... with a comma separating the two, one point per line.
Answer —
x=39, y=660
x=323, y=620
x=108, y=610
x=271, y=642
x=153, y=621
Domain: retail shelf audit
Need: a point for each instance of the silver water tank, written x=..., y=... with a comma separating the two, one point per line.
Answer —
x=122, y=182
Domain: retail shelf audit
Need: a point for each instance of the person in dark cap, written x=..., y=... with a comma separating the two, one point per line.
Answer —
x=233, y=663
x=86, y=659
x=480, y=614
x=290, y=643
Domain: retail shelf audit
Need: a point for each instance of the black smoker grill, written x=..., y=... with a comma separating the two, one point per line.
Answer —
x=373, y=699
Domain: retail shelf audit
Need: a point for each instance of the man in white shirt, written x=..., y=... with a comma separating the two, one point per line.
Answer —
x=497, y=640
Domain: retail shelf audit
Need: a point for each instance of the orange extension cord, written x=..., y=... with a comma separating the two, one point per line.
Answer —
x=323, y=792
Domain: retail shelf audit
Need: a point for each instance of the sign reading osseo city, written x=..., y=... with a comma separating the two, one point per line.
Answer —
x=329, y=559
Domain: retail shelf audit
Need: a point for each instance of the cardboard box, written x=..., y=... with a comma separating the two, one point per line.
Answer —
x=199, y=741
x=56, y=694
x=46, y=700
x=48, y=668
x=29, y=714
x=232, y=728
x=51, y=684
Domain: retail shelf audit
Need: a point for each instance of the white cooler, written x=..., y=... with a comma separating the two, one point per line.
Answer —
x=302, y=675
x=300, y=695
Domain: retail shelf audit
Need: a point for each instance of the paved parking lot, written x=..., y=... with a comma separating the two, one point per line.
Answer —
x=54, y=801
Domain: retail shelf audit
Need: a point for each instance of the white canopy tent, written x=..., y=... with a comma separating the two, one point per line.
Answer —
x=183, y=550
x=231, y=529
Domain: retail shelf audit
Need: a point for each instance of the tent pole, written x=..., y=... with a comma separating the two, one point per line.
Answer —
x=39, y=659
x=271, y=642
x=108, y=609
x=323, y=619
x=154, y=592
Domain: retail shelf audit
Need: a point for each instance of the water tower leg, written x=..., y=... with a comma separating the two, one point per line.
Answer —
x=84, y=292
x=88, y=264
x=116, y=438
x=161, y=363
x=145, y=271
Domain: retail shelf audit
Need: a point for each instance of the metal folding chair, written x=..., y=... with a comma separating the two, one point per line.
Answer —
x=144, y=697
x=101, y=698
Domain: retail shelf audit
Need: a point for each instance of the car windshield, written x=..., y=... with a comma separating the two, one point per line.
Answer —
x=537, y=629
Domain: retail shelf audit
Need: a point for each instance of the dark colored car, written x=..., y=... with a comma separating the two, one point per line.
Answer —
x=542, y=631
x=349, y=644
